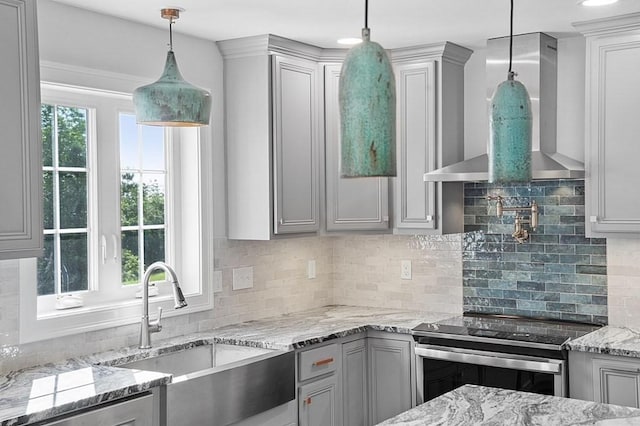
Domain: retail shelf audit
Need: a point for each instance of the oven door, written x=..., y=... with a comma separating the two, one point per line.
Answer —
x=441, y=369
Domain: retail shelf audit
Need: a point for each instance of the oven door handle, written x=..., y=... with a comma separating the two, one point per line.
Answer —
x=490, y=360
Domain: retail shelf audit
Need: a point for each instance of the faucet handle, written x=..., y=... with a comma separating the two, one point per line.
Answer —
x=155, y=326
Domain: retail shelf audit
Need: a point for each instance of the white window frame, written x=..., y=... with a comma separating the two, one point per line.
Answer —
x=189, y=251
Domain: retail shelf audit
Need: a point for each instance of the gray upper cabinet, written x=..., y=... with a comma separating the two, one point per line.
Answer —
x=279, y=125
x=352, y=204
x=20, y=162
x=430, y=126
x=296, y=107
x=273, y=115
x=612, y=207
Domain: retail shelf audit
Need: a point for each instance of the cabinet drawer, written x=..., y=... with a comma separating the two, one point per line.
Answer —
x=315, y=362
x=133, y=412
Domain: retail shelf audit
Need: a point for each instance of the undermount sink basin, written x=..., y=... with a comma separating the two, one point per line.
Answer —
x=196, y=358
x=236, y=382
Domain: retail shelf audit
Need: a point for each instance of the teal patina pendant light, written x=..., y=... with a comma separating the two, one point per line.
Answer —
x=367, y=98
x=510, y=127
x=172, y=101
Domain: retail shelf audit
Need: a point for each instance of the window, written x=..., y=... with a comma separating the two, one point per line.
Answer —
x=64, y=266
x=117, y=197
x=142, y=198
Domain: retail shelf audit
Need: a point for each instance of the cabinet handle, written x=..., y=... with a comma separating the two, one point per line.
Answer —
x=114, y=239
x=307, y=400
x=323, y=362
x=281, y=221
x=103, y=249
x=593, y=219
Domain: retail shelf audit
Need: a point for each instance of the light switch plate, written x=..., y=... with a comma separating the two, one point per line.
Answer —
x=405, y=269
x=311, y=269
x=243, y=278
x=217, y=281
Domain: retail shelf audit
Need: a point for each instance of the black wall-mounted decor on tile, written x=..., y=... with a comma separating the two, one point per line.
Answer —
x=558, y=273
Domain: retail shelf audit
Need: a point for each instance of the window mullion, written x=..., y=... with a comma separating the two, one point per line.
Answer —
x=56, y=205
x=140, y=205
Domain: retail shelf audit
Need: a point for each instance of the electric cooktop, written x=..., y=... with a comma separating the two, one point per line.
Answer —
x=505, y=327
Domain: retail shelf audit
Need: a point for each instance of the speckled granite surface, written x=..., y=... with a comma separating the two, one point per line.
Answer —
x=27, y=395
x=478, y=405
x=298, y=330
x=609, y=340
x=47, y=391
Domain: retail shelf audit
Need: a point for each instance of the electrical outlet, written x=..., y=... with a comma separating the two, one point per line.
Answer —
x=217, y=281
x=311, y=269
x=405, y=269
x=243, y=278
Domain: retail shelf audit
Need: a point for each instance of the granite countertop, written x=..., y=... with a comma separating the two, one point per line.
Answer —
x=36, y=393
x=609, y=340
x=479, y=405
x=42, y=392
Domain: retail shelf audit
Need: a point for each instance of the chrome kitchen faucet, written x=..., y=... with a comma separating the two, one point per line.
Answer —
x=520, y=233
x=146, y=328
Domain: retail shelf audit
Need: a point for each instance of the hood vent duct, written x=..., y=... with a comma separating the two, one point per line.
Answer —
x=535, y=57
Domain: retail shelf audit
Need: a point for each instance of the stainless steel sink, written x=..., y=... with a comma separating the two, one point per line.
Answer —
x=196, y=358
x=220, y=384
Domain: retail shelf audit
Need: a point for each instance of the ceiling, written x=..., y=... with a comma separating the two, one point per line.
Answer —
x=393, y=23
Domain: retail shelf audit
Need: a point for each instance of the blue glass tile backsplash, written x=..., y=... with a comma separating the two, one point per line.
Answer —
x=558, y=273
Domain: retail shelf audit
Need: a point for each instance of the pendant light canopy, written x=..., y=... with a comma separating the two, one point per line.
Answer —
x=172, y=101
x=510, y=127
x=367, y=98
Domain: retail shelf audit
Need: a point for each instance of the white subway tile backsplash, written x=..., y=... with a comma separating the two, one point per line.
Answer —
x=361, y=270
x=623, y=276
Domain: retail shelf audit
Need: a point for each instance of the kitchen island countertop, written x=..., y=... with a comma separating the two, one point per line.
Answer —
x=479, y=405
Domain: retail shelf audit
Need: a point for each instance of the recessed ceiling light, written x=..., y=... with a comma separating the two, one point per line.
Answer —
x=349, y=41
x=596, y=2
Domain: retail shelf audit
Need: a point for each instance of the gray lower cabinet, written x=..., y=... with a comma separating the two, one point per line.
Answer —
x=318, y=403
x=390, y=377
x=352, y=204
x=612, y=83
x=20, y=163
x=355, y=383
x=359, y=380
x=604, y=378
x=138, y=411
x=319, y=391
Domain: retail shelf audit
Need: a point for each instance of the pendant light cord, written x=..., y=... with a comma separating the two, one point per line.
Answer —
x=366, y=13
x=511, y=39
x=171, y=34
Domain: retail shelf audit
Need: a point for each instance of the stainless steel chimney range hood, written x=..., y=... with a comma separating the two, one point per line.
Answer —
x=535, y=58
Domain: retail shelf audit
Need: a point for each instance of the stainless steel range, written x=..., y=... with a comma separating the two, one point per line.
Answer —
x=494, y=350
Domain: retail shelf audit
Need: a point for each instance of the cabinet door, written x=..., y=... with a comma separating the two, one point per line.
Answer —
x=318, y=403
x=296, y=134
x=135, y=412
x=415, y=206
x=616, y=382
x=352, y=203
x=389, y=378
x=354, y=383
x=613, y=84
x=20, y=162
